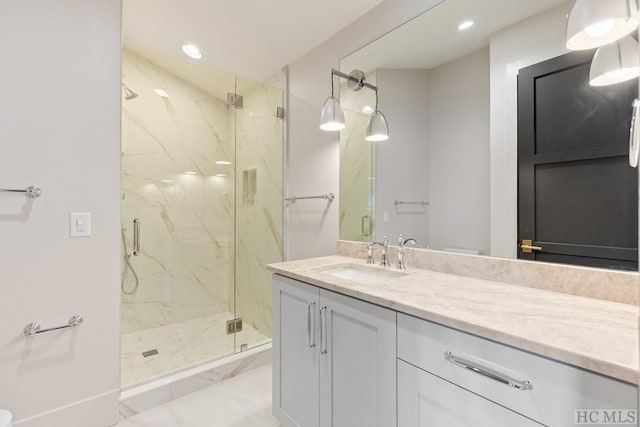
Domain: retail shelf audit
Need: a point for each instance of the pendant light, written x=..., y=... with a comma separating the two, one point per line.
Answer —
x=332, y=116
x=615, y=63
x=594, y=23
x=378, y=128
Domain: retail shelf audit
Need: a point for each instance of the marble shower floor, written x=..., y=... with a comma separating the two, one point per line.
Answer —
x=181, y=346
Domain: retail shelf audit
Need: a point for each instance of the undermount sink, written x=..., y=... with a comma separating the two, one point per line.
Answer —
x=366, y=275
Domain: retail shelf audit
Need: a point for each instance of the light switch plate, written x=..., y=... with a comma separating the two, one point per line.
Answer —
x=80, y=224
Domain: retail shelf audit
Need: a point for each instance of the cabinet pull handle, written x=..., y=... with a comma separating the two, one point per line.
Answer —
x=323, y=330
x=487, y=372
x=311, y=331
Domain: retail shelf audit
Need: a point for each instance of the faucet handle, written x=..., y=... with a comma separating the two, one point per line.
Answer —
x=369, y=251
x=385, y=256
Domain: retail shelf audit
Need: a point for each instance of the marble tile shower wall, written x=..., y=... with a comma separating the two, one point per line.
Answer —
x=356, y=179
x=259, y=213
x=186, y=262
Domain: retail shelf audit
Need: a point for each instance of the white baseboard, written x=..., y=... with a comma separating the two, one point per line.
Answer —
x=96, y=411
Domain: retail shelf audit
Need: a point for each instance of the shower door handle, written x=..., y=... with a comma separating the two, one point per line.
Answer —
x=366, y=226
x=136, y=237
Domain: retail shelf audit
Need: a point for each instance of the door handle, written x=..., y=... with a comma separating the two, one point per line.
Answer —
x=528, y=247
x=634, y=135
x=136, y=237
x=323, y=330
x=311, y=330
x=366, y=226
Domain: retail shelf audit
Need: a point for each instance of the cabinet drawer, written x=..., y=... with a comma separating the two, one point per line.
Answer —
x=424, y=400
x=557, y=390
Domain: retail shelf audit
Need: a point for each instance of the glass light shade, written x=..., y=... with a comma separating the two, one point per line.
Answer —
x=615, y=63
x=378, y=129
x=594, y=23
x=332, y=116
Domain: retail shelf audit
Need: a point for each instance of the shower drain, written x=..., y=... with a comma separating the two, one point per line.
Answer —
x=149, y=353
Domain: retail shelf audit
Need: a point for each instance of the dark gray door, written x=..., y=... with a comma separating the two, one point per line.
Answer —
x=577, y=194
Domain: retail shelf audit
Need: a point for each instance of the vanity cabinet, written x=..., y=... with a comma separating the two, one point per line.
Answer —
x=425, y=400
x=538, y=388
x=342, y=362
x=334, y=359
x=296, y=360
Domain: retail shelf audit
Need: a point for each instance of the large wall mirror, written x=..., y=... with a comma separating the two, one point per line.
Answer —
x=497, y=138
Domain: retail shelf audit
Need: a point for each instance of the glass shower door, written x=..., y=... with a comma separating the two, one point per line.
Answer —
x=178, y=181
x=259, y=206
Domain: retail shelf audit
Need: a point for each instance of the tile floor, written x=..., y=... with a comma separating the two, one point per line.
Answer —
x=181, y=346
x=243, y=401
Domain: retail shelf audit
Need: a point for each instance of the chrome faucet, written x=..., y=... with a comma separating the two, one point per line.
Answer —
x=401, y=248
x=385, y=247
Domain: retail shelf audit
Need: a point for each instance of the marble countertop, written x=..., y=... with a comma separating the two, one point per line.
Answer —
x=593, y=334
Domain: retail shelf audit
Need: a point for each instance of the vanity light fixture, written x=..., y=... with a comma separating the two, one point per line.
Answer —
x=465, y=25
x=332, y=116
x=378, y=128
x=223, y=162
x=595, y=23
x=221, y=174
x=191, y=173
x=192, y=51
x=615, y=63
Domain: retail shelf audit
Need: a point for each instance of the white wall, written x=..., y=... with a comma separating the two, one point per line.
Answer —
x=526, y=43
x=60, y=129
x=313, y=159
x=459, y=153
x=402, y=171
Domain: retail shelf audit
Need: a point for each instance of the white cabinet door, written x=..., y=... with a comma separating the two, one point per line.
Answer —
x=425, y=400
x=295, y=353
x=357, y=363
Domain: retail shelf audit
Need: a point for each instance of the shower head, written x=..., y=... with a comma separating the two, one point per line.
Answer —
x=128, y=93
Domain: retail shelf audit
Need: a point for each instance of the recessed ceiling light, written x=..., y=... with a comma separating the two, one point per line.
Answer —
x=367, y=109
x=192, y=51
x=191, y=173
x=161, y=92
x=222, y=162
x=221, y=174
x=465, y=25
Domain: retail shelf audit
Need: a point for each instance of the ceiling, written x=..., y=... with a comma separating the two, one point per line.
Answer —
x=253, y=38
x=433, y=38
x=213, y=81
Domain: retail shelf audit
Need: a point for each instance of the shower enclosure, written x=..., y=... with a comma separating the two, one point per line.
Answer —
x=202, y=177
